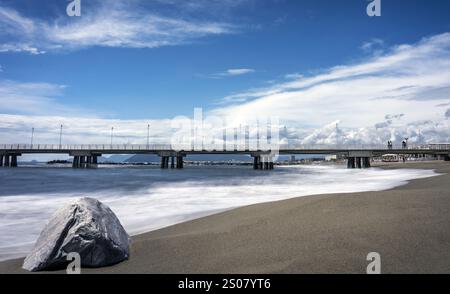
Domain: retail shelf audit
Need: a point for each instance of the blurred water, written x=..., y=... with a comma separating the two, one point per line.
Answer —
x=148, y=198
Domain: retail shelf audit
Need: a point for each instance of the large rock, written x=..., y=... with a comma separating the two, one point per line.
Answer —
x=86, y=226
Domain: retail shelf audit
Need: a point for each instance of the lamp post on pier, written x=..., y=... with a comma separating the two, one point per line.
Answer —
x=148, y=136
x=60, y=136
x=32, y=136
x=112, y=133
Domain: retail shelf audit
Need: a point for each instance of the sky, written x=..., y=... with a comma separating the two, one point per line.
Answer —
x=312, y=64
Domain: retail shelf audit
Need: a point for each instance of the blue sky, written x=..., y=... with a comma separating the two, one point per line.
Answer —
x=153, y=60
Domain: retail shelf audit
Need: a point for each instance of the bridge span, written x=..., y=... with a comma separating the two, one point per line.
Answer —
x=86, y=155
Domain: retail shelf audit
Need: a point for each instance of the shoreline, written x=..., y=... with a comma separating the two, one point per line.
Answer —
x=331, y=233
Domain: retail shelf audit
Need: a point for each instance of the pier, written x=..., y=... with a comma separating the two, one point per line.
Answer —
x=86, y=155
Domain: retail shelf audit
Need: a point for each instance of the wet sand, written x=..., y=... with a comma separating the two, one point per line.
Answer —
x=409, y=226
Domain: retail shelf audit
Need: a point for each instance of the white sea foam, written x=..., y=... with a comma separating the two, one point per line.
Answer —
x=148, y=199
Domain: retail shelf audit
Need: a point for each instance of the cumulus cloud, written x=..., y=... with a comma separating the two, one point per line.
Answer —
x=360, y=94
x=113, y=25
x=418, y=132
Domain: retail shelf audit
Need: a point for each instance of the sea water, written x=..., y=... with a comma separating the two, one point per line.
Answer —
x=148, y=198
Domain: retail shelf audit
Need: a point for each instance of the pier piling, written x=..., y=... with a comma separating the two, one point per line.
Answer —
x=261, y=162
x=179, y=162
x=351, y=162
x=13, y=160
x=366, y=162
x=7, y=160
x=358, y=162
x=256, y=162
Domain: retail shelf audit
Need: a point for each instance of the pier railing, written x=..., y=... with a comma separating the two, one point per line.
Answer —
x=229, y=147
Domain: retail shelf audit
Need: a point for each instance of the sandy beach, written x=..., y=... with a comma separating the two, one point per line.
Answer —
x=333, y=233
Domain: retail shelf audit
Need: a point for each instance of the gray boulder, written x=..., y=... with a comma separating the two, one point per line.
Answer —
x=85, y=226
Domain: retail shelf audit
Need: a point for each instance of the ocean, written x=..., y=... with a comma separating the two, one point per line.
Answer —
x=146, y=198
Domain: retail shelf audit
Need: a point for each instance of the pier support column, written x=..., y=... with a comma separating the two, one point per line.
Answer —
x=179, y=162
x=447, y=157
x=256, y=160
x=82, y=161
x=88, y=161
x=366, y=162
x=76, y=161
x=13, y=160
x=1, y=160
x=351, y=162
x=262, y=162
x=164, y=162
x=172, y=162
x=7, y=160
x=359, y=159
x=358, y=162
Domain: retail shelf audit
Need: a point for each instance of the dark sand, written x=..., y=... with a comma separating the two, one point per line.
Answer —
x=409, y=226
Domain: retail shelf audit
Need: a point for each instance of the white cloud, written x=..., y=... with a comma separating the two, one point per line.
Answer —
x=20, y=47
x=402, y=93
x=361, y=94
x=374, y=45
x=239, y=71
x=35, y=99
x=418, y=132
x=124, y=29
x=11, y=21
x=232, y=72
x=112, y=25
x=293, y=76
x=79, y=130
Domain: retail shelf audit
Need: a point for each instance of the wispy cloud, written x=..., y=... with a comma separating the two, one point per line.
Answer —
x=35, y=98
x=238, y=71
x=374, y=44
x=232, y=72
x=403, y=93
x=80, y=129
x=20, y=47
x=293, y=76
x=112, y=25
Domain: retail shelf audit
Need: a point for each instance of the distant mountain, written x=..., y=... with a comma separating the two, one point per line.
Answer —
x=218, y=157
x=115, y=158
x=152, y=158
x=140, y=158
